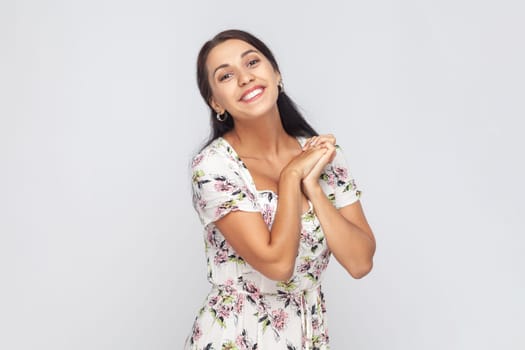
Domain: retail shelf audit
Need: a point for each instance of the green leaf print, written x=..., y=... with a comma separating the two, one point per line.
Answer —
x=240, y=196
x=311, y=277
x=219, y=320
x=228, y=299
x=236, y=259
x=348, y=187
x=309, y=216
x=265, y=322
x=288, y=286
x=197, y=174
x=228, y=204
x=230, y=345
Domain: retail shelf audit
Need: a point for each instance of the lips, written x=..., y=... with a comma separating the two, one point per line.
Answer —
x=252, y=94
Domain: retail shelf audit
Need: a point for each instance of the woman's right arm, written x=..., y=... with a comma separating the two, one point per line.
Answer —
x=273, y=253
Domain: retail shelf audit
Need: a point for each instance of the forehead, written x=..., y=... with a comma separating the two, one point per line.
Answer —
x=227, y=52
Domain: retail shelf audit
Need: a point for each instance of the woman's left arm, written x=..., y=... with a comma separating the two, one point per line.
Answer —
x=348, y=234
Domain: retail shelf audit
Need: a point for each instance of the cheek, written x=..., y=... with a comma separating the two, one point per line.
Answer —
x=222, y=94
x=270, y=72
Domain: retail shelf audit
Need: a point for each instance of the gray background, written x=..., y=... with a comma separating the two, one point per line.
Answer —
x=100, y=247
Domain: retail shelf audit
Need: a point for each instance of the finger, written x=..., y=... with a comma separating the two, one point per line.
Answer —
x=307, y=144
x=331, y=152
x=331, y=138
x=324, y=142
x=314, y=142
x=328, y=138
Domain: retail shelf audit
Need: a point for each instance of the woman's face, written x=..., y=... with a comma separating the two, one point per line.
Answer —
x=242, y=80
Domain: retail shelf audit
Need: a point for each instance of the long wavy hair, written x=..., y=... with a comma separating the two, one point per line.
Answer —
x=293, y=122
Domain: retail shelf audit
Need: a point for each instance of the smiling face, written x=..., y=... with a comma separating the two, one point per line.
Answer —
x=242, y=80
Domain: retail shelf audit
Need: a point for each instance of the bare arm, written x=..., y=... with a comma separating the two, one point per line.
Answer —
x=273, y=252
x=348, y=234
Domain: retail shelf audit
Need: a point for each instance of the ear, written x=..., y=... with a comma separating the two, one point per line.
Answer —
x=216, y=107
x=279, y=77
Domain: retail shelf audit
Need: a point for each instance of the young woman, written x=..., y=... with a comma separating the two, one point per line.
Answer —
x=276, y=200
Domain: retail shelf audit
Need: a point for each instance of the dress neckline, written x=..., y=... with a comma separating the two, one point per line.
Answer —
x=300, y=139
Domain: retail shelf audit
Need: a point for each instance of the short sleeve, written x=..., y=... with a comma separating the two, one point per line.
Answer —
x=338, y=182
x=218, y=187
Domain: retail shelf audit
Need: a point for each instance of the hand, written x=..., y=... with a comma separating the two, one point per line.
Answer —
x=303, y=164
x=319, y=140
x=311, y=181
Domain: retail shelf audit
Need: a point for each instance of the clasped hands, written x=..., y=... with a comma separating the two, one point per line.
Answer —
x=317, y=152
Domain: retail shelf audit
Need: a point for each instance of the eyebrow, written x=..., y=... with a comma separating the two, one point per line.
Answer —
x=242, y=55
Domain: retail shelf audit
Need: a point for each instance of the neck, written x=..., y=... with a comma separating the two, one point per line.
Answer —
x=264, y=137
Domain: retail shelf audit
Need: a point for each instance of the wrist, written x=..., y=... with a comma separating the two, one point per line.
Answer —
x=312, y=188
x=290, y=174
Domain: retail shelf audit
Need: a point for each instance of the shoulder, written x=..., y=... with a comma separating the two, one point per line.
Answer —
x=217, y=153
x=217, y=163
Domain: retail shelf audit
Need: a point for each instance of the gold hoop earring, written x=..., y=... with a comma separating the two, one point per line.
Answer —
x=222, y=117
x=281, y=86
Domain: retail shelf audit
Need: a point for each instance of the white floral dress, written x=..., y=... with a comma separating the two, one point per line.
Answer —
x=244, y=309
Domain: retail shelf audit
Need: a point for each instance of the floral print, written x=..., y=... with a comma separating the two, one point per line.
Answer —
x=245, y=310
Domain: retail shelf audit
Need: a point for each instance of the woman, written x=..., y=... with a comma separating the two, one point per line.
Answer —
x=276, y=200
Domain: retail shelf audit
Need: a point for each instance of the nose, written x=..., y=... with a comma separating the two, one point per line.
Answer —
x=245, y=77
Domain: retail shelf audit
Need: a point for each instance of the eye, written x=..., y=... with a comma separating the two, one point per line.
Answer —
x=253, y=62
x=225, y=76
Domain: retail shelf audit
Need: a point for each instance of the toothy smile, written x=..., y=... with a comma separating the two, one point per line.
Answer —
x=250, y=95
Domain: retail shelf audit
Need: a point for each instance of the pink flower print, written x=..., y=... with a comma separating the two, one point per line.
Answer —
x=330, y=179
x=201, y=203
x=279, y=318
x=341, y=173
x=252, y=290
x=318, y=269
x=262, y=306
x=249, y=194
x=267, y=214
x=304, y=266
x=321, y=340
x=213, y=300
x=210, y=236
x=224, y=311
x=220, y=210
x=243, y=342
x=315, y=324
x=325, y=258
x=228, y=284
x=221, y=257
x=197, y=332
x=296, y=299
x=224, y=186
x=197, y=160
x=307, y=238
x=239, y=304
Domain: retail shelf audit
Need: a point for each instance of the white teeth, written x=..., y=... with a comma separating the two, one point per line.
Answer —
x=252, y=94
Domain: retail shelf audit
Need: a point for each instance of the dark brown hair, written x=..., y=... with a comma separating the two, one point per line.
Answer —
x=293, y=122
